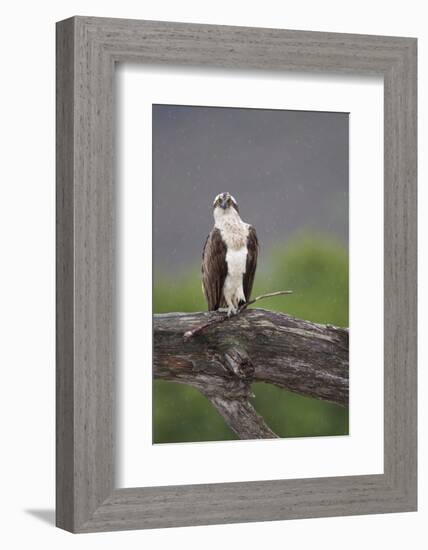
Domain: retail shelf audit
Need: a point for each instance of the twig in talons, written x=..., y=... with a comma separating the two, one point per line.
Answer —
x=217, y=320
x=263, y=296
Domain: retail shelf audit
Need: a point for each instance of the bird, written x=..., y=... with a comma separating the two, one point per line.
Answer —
x=229, y=257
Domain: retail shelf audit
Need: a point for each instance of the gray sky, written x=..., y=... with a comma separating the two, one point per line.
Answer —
x=288, y=171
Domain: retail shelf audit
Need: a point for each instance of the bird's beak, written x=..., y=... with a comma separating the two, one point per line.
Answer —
x=223, y=204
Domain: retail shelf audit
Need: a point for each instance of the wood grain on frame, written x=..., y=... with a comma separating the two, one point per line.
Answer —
x=87, y=49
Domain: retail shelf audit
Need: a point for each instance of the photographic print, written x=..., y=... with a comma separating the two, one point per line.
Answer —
x=250, y=273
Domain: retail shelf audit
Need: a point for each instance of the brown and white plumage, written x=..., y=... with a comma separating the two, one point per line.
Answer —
x=253, y=250
x=229, y=258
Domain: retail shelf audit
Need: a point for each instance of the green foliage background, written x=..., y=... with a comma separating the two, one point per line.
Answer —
x=315, y=267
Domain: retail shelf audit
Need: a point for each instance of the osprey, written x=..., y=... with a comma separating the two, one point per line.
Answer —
x=229, y=258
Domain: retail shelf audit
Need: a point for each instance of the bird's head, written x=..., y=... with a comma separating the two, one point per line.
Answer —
x=224, y=202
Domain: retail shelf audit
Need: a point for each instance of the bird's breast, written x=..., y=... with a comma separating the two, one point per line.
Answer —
x=234, y=235
x=236, y=260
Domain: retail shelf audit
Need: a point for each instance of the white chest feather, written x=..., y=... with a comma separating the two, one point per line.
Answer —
x=233, y=230
x=236, y=264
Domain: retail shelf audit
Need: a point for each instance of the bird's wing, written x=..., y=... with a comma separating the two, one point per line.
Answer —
x=250, y=271
x=214, y=269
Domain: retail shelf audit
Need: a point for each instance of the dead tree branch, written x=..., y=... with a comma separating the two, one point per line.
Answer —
x=254, y=346
x=217, y=320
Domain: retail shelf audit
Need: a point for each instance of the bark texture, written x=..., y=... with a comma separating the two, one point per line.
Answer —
x=224, y=359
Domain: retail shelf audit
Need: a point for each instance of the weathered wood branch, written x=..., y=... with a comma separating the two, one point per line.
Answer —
x=254, y=346
x=221, y=319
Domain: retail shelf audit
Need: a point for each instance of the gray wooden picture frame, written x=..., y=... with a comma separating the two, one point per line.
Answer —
x=87, y=50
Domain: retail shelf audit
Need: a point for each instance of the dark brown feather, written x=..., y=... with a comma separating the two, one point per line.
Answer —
x=250, y=271
x=214, y=270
